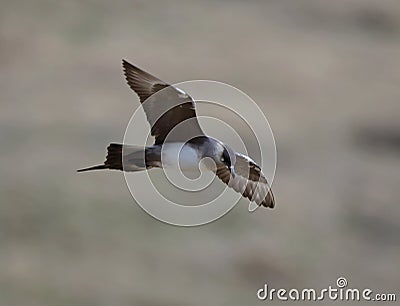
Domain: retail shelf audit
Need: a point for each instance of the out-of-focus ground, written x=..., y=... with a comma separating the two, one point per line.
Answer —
x=327, y=75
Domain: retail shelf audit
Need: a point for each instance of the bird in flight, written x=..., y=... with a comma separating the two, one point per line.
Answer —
x=180, y=141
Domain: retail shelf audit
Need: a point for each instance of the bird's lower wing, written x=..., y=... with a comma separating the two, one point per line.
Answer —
x=249, y=181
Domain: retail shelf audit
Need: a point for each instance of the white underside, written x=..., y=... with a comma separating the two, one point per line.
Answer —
x=178, y=155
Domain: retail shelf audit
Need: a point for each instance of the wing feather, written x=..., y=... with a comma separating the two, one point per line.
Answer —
x=165, y=106
x=249, y=181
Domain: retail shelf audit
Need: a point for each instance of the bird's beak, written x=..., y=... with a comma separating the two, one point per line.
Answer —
x=232, y=171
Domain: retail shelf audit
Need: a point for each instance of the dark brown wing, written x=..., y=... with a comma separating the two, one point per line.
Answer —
x=249, y=181
x=166, y=106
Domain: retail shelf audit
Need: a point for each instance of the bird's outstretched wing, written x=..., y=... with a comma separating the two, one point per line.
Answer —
x=249, y=181
x=166, y=106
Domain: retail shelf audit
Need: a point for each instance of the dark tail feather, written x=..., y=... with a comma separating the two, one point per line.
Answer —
x=99, y=167
x=113, y=159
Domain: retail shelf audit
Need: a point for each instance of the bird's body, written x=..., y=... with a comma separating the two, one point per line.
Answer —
x=180, y=142
x=188, y=156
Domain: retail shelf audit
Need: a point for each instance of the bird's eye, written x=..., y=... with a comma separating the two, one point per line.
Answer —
x=222, y=159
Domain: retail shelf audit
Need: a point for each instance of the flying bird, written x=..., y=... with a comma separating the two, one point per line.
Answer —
x=180, y=141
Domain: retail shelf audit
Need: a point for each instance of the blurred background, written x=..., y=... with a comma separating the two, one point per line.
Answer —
x=326, y=74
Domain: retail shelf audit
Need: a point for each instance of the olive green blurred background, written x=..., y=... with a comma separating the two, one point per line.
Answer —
x=327, y=75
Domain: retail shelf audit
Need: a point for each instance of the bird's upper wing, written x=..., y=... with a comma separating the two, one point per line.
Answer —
x=249, y=181
x=166, y=106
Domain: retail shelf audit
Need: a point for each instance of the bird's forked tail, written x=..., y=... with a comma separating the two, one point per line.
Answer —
x=121, y=157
